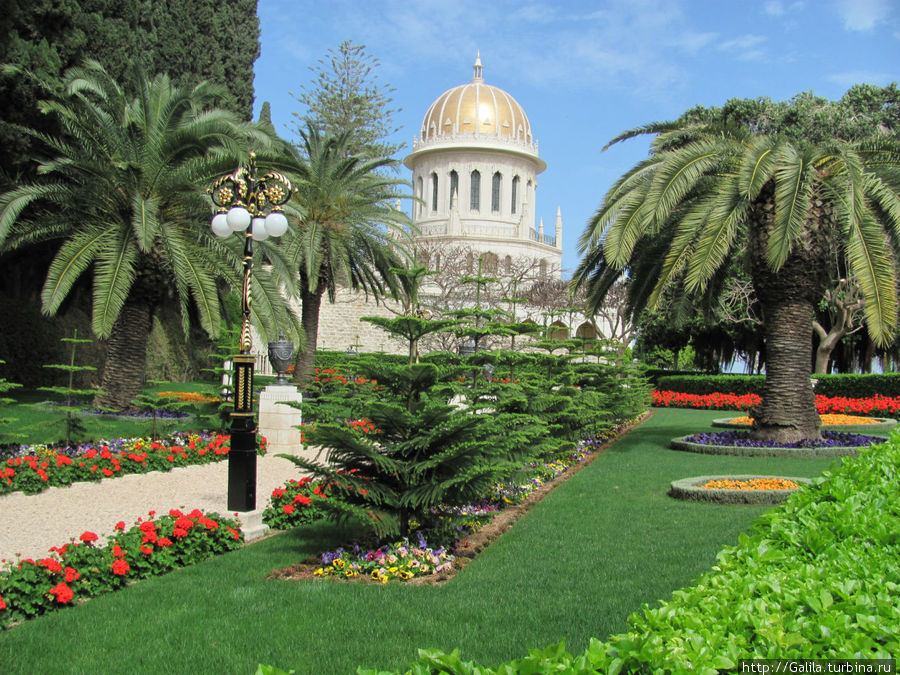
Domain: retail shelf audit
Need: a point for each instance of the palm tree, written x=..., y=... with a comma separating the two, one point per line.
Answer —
x=711, y=191
x=344, y=203
x=122, y=199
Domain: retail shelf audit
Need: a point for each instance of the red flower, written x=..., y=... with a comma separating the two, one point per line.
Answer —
x=146, y=550
x=87, y=537
x=278, y=493
x=184, y=523
x=237, y=535
x=62, y=593
x=288, y=509
x=178, y=532
x=2, y=604
x=51, y=565
x=120, y=567
x=118, y=551
x=302, y=499
x=165, y=542
x=72, y=575
x=120, y=525
x=148, y=527
x=175, y=513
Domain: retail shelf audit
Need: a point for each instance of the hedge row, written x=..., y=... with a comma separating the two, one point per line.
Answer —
x=817, y=577
x=852, y=386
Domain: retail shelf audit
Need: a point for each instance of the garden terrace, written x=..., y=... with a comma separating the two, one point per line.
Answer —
x=230, y=618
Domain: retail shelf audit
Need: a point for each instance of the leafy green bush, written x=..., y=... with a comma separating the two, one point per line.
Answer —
x=818, y=577
x=853, y=386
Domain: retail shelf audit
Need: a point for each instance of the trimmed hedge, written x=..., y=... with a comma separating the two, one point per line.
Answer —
x=851, y=386
x=817, y=577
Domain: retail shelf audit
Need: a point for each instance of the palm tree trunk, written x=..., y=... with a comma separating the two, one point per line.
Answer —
x=787, y=297
x=126, y=357
x=788, y=411
x=305, y=364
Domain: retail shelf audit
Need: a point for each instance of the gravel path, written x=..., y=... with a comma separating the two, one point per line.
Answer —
x=31, y=524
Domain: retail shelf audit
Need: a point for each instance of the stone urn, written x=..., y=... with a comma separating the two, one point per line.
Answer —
x=281, y=356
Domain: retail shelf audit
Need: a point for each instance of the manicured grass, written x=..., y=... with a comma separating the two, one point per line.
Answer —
x=598, y=547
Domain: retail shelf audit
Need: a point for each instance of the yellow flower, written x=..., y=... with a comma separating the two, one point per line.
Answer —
x=338, y=563
x=319, y=572
x=350, y=572
x=406, y=575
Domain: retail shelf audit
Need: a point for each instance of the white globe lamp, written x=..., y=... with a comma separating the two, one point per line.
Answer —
x=258, y=231
x=276, y=224
x=238, y=218
x=220, y=225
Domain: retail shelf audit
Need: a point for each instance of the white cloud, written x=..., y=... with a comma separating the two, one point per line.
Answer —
x=741, y=43
x=848, y=78
x=779, y=8
x=862, y=15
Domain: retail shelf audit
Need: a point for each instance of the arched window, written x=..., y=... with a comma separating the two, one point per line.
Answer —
x=420, y=193
x=437, y=262
x=507, y=264
x=475, y=192
x=489, y=263
x=434, y=192
x=515, y=194
x=470, y=263
x=543, y=269
x=454, y=186
x=495, y=192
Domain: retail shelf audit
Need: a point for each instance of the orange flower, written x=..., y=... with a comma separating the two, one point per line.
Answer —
x=751, y=484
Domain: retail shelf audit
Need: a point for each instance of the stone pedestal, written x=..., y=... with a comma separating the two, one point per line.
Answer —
x=279, y=423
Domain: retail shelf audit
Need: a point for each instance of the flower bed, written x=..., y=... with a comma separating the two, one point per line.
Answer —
x=759, y=490
x=81, y=569
x=884, y=406
x=833, y=444
x=399, y=560
x=829, y=420
x=34, y=468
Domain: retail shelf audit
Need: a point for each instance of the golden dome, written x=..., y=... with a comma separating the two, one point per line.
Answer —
x=478, y=109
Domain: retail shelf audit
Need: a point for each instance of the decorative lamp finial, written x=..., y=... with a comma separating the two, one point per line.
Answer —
x=478, y=75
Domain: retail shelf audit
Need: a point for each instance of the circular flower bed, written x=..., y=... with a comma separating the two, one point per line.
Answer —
x=759, y=490
x=833, y=444
x=836, y=421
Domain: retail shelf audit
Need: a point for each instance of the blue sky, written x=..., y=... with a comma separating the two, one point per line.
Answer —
x=584, y=71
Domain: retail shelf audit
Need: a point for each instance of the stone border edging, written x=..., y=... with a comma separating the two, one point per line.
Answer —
x=689, y=489
x=749, y=451
x=884, y=424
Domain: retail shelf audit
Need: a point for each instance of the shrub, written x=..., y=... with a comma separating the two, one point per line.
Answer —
x=854, y=386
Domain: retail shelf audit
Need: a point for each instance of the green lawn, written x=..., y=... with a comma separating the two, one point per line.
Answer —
x=593, y=551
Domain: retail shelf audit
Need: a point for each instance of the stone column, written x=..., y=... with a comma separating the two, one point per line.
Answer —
x=278, y=422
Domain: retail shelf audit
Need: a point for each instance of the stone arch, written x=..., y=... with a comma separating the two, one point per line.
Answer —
x=558, y=331
x=587, y=332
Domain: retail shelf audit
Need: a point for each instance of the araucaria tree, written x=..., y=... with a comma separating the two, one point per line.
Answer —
x=121, y=196
x=347, y=98
x=793, y=186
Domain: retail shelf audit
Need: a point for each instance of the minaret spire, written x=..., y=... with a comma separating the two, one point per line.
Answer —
x=478, y=70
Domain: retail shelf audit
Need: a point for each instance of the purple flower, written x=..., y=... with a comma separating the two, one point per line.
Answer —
x=829, y=439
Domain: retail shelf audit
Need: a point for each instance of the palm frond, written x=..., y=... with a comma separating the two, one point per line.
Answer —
x=793, y=188
x=113, y=279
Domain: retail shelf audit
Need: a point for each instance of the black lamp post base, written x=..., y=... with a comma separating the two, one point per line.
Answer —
x=242, y=471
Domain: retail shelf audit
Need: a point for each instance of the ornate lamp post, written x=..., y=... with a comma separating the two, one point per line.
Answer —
x=250, y=207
